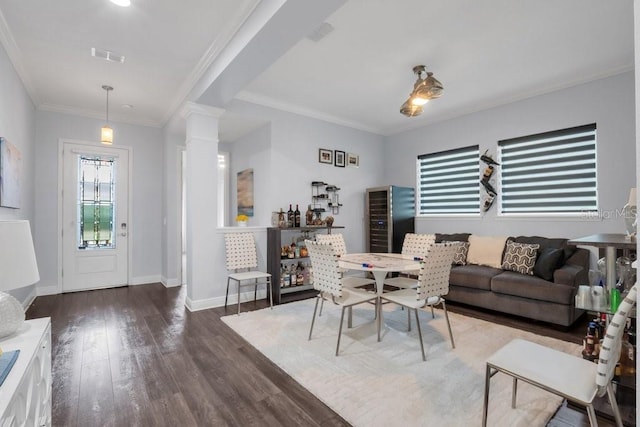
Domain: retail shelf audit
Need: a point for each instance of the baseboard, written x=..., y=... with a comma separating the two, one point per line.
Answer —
x=144, y=280
x=203, y=304
x=170, y=283
x=29, y=299
x=47, y=290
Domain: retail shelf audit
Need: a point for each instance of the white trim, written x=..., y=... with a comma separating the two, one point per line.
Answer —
x=13, y=52
x=266, y=101
x=47, y=290
x=190, y=108
x=145, y=280
x=170, y=283
x=203, y=304
x=29, y=299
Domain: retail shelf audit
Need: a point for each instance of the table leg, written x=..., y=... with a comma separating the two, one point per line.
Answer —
x=379, y=276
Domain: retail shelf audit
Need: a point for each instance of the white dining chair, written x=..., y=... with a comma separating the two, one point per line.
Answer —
x=328, y=281
x=415, y=245
x=430, y=287
x=571, y=377
x=242, y=262
x=340, y=247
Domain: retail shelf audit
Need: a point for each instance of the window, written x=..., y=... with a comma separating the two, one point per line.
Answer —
x=448, y=182
x=96, y=203
x=551, y=172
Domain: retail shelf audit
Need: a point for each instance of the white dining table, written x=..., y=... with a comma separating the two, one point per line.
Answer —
x=379, y=264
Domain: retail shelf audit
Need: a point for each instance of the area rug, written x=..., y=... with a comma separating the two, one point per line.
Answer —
x=386, y=383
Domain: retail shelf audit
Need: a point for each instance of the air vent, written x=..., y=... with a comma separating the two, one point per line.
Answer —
x=107, y=55
x=321, y=32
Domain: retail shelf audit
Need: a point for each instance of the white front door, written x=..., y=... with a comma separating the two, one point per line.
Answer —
x=95, y=217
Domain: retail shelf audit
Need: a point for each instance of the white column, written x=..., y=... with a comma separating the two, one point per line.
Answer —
x=201, y=177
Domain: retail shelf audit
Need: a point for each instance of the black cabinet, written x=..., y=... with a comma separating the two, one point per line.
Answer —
x=276, y=239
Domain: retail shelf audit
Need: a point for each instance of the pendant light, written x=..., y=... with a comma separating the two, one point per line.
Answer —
x=424, y=89
x=106, y=134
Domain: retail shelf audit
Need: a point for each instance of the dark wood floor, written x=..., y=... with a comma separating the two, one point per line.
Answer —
x=135, y=356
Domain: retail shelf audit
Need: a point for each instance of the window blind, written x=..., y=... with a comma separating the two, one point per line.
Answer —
x=551, y=172
x=448, y=182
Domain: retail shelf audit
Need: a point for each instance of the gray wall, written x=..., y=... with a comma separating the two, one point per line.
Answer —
x=293, y=156
x=145, y=211
x=608, y=102
x=17, y=125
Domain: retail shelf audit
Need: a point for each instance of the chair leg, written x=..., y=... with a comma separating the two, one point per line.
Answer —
x=424, y=358
x=350, y=318
x=485, y=406
x=226, y=295
x=433, y=315
x=515, y=392
x=408, y=320
x=446, y=316
x=313, y=319
x=270, y=293
x=593, y=419
x=238, y=297
x=255, y=290
x=321, y=305
x=340, y=330
x=614, y=404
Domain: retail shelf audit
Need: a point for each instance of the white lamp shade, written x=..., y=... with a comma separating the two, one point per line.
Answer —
x=106, y=135
x=633, y=197
x=18, y=267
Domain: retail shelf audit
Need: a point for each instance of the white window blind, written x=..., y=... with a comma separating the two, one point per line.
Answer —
x=448, y=182
x=551, y=172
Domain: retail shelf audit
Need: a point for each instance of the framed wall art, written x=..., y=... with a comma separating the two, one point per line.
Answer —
x=339, y=158
x=10, y=165
x=353, y=160
x=325, y=156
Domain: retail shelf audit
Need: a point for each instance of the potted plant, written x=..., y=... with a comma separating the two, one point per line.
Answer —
x=241, y=220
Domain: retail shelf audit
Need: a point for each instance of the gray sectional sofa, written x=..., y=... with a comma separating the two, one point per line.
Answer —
x=547, y=295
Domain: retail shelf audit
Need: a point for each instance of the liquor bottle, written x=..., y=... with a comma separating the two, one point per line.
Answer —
x=627, y=357
x=287, y=278
x=290, y=218
x=296, y=217
x=299, y=275
x=293, y=276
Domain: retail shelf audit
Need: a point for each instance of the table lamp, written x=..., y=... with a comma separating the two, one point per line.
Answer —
x=18, y=268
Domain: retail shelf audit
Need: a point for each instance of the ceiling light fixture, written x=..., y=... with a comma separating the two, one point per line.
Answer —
x=123, y=3
x=424, y=89
x=106, y=133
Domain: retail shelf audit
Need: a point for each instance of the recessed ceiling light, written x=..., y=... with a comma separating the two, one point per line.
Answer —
x=127, y=106
x=123, y=3
x=107, y=55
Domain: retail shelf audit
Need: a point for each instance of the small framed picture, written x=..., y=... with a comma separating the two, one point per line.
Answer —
x=339, y=158
x=325, y=156
x=353, y=160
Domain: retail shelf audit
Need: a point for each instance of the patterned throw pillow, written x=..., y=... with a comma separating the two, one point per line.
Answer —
x=520, y=257
x=460, y=258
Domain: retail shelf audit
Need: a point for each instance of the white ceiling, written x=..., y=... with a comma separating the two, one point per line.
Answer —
x=485, y=53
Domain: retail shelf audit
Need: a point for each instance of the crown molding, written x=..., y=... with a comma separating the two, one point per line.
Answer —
x=10, y=46
x=206, y=60
x=99, y=115
x=307, y=112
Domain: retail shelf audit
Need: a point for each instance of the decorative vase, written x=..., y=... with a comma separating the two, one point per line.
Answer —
x=241, y=223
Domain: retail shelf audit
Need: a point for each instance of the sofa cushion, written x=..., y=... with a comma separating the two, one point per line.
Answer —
x=548, y=261
x=545, y=242
x=520, y=257
x=473, y=276
x=485, y=250
x=460, y=258
x=532, y=287
x=459, y=237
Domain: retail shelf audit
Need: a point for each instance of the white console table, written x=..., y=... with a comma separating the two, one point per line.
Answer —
x=25, y=395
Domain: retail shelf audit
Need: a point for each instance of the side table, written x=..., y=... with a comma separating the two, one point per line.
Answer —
x=25, y=395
